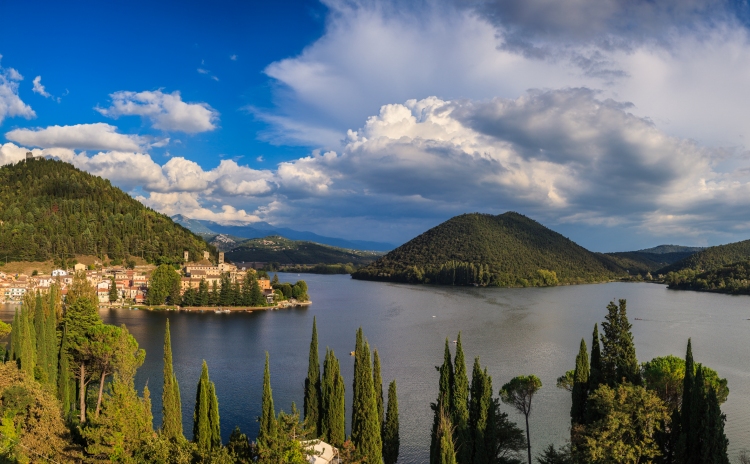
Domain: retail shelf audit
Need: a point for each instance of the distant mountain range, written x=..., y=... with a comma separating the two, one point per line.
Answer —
x=275, y=249
x=263, y=229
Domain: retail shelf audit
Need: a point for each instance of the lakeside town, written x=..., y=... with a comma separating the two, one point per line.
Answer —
x=132, y=284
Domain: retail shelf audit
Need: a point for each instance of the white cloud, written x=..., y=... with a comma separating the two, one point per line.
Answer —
x=166, y=111
x=11, y=104
x=39, y=88
x=97, y=136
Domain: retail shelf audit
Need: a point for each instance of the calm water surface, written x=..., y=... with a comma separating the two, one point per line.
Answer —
x=513, y=331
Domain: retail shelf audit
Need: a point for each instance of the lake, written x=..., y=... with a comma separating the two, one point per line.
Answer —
x=513, y=331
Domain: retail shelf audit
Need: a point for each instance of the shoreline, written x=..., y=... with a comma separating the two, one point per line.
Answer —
x=205, y=309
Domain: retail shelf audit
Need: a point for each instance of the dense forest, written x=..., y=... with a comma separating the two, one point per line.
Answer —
x=731, y=278
x=643, y=262
x=276, y=249
x=51, y=210
x=481, y=249
x=712, y=258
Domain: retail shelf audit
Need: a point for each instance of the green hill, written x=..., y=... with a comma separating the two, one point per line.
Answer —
x=712, y=258
x=480, y=249
x=276, y=249
x=641, y=262
x=731, y=278
x=668, y=249
x=51, y=210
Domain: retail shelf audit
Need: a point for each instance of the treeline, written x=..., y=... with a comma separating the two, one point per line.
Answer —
x=712, y=258
x=51, y=210
x=165, y=288
x=313, y=269
x=463, y=274
x=731, y=278
x=505, y=250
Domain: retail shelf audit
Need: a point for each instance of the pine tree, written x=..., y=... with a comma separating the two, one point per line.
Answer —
x=479, y=412
x=391, y=438
x=443, y=403
x=580, y=386
x=460, y=406
x=312, y=385
x=367, y=437
x=332, y=402
x=202, y=433
x=377, y=381
x=213, y=416
x=619, y=361
x=171, y=425
x=267, y=432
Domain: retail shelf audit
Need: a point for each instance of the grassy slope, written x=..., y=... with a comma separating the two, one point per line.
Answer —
x=284, y=251
x=510, y=243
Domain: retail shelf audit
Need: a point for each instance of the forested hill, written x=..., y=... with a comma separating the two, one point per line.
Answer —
x=276, y=249
x=712, y=258
x=51, y=210
x=507, y=250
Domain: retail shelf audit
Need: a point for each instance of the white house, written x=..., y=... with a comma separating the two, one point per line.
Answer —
x=59, y=273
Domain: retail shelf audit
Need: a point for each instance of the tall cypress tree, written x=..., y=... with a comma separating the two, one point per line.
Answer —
x=715, y=451
x=479, y=413
x=27, y=340
x=15, y=337
x=332, y=402
x=446, y=451
x=367, y=438
x=171, y=425
x=40, y=334
x=202, y=432
x=580, y=386
x=460, y=406
x=50, y=327
x=213, y=416
x=688, y=410
x=63, y=378
x=312, y=385
x=443, y=403
x=619, y=361
x=377, y=381
x=391, y=438
x=267, y=432
x=356, y=385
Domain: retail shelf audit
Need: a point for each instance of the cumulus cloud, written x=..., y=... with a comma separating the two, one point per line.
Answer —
x=165, y=111
x=98, y=136
x=11, y=104
x=39, y=88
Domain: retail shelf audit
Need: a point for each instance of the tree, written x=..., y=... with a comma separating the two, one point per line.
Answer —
x=332, y=402
x=630, y=416
x=64, y=389
x=460, y=405
x=206, y=415
x=595, y=372
x=481, y=414
x=213, y=416
x=580, y=386
x=550, y=455
x=367, y=436
x=391, y=438
x=112, y=290
x=312, y=384
x=442, y=404
x=203, y=297
x=446, y=453
x=256, y=295
x=519, y=393
x=618, y=351
x=377, y=381
x=171, y=424
x=267, y=432
x=357, y=390
x=164, y=286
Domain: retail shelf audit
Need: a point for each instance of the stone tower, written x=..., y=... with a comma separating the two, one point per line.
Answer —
x=221, y=257
x=206, y=255
x=186, y=257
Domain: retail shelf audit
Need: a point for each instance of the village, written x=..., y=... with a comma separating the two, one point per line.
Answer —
x=132, y=284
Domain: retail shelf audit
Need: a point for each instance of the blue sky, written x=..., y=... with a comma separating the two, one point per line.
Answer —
x=621, y=124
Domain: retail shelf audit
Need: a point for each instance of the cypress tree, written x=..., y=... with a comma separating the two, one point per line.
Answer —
x=63, y=379
x=40, y=334
x=715, y=451
x=460, y=406
x=52, y=348
x=580, y=386
x=377, y=381
x=619, y=361
x=15, y=337
x=367, y=438
x=213, y=416
x=443, y=403
x=256, y=295
x=267, y=432
x=479, y=411
x=27, y=340
x=202, y=432
x=446, y=451
x=112, y=290
x=688, y=408
x=332, y=402
x=356, y=385
x=171, y=425
x=312, y=385
x=391, y=439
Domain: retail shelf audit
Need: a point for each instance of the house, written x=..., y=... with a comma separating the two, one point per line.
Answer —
x=79, y=267
x=59, y=273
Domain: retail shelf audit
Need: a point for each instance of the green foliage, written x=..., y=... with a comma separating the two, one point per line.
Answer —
x=550, y=455
x=580, y=386
x=49, y=209
x=460, y=405
x=442, y=405
x=366, y=431
x=312, y=401
x=481, y=411
x=445, y=453
x=712, y=258
x=267, y=419
x=391, y=437
x=731, y=278
x=206, y=432
x=377, y=382
x=333, y=415
x=595, y=372
x=643, y=262
x=519, y=393
x=505, y=250
x=164, y=286
x=618, y=351
x=276, y=249
x=171, y=410
x=630, y=416
x=113, y=296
